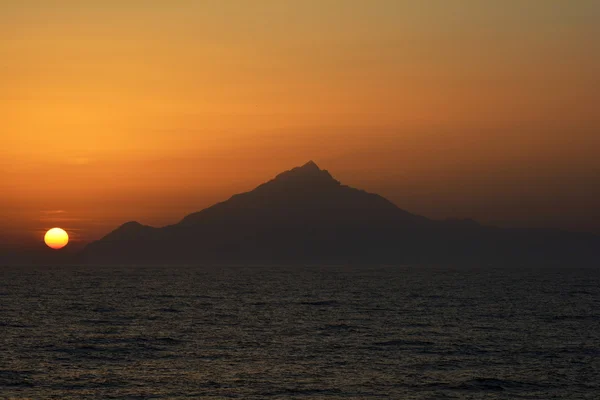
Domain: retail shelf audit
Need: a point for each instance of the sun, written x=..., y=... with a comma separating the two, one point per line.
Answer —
x=56, y=238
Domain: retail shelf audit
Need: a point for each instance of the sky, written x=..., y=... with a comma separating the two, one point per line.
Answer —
x=113, y=111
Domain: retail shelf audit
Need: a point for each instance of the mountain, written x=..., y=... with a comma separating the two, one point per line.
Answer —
x=306, y=216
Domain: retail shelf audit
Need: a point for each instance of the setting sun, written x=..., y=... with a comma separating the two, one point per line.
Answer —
x=56, y=238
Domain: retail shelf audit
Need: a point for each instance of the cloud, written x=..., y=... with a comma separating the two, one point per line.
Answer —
x=61, y=219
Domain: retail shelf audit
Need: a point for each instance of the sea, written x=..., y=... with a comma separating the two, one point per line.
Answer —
x=300, y=332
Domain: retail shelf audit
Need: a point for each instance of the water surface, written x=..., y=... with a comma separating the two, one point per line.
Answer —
x=404, y=332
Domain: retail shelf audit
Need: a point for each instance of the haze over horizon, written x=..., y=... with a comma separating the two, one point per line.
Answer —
x=123, y=111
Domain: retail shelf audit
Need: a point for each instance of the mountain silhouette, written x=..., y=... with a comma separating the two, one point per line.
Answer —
x=304, y=215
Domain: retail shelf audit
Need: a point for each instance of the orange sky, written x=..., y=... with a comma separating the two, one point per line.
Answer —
x=120, y=110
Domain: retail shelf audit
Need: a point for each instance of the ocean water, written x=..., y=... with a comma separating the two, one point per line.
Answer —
x=402, y=332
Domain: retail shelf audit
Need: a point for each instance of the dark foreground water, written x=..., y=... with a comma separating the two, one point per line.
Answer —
x=299, y=332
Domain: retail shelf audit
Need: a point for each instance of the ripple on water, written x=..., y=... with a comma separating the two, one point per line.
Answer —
x=289, y=332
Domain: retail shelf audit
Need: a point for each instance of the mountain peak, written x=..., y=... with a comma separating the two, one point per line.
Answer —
x=311, y=165
x=308, y=173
